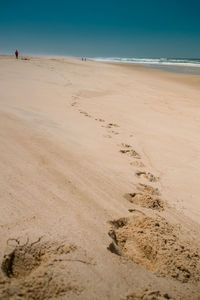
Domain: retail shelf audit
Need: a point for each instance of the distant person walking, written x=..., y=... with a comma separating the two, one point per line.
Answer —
x=16, y=54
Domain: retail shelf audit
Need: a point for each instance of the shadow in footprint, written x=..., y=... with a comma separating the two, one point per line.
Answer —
x=147, y=175
x=137, y=164
x=131, y=153
x=100, y=120
x=85, y=113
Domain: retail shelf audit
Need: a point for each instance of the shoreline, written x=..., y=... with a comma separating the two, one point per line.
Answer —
x=186, y=78
x=179, y=69
x=185, y=68
x=169, y=69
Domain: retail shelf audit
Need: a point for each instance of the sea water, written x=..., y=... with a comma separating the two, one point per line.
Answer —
x=179, y=65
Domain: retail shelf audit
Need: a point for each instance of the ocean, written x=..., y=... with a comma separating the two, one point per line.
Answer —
x=178, y=65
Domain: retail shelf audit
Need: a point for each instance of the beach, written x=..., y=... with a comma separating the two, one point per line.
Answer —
x=99, y=179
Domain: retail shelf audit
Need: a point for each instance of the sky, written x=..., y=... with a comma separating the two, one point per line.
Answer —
x=106, y=28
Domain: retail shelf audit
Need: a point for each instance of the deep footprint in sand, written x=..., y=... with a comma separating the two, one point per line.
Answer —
x=146, y=196
x=147, y=175
x=145, y=200
x=158, y=246
x=35, y=270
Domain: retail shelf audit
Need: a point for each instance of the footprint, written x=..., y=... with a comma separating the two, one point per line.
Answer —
x=100, y=120
x=36, y=270
x=24, y=259
x=74, y=103
x=145, y=188
x=111, y=125
x=137, y=164
x=146, y=196
x=85, y=113
x=131, y=153
x=158, y=246
x=125, y=145
x=147, y=175
x=145, y=200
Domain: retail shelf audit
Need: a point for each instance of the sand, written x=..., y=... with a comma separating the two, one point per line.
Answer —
x=99, y=179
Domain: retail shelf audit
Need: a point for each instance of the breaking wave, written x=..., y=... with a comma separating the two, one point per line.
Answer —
x=189, y=62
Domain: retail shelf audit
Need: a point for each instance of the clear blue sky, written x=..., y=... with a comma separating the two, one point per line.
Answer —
x=125, y=28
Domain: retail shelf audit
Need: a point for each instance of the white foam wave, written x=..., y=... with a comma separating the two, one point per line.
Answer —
x=152, y=61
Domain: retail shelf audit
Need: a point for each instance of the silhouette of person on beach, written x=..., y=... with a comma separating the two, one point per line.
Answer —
x=16, y=54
